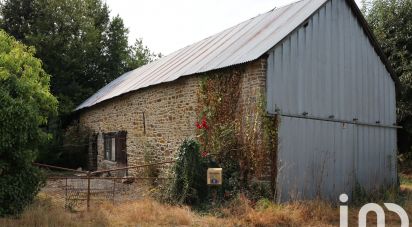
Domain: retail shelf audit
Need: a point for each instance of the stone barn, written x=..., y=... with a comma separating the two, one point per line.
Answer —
x=315, y=69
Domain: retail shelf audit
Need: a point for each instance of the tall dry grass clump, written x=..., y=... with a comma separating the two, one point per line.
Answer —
x=242, y=212
x=44, y=212
x=146, y=212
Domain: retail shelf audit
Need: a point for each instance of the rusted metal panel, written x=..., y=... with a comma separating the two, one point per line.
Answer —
x=242, y=43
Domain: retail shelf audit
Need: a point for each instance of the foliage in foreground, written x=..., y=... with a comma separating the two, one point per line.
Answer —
x=25, y=104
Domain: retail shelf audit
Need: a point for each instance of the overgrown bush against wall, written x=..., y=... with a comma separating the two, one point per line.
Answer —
x=189, y=185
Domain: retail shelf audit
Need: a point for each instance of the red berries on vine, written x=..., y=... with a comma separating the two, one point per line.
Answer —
x=203, y=124
x=199, y=126
x=204, y=154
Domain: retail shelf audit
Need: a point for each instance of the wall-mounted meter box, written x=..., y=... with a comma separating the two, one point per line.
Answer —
x=214, y=176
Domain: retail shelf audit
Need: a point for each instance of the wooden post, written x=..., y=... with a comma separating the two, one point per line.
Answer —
x=88, y=190
x=114, y=189
x=65, y=194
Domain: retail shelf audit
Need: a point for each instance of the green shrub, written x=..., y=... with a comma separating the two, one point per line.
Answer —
x=231, y=184
x=258, y=190
x=189, y=185
x=18, y=188
x=263, y=204
x=25, y=105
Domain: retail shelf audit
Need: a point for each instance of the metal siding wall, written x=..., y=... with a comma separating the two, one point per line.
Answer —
x=324, y=159
x=330, y=68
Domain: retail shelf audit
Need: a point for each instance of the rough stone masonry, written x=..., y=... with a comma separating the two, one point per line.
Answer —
x=158, y=118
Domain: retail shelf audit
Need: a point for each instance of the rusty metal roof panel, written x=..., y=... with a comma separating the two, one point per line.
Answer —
x=242, y=43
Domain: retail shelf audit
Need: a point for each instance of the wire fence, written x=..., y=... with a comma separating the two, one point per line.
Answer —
x=79, y=190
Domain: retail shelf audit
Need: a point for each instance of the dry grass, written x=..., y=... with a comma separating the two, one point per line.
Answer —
x=406, y=181
x=240, y=212
x=45, y=212
x=146, y=213
x=313, y=213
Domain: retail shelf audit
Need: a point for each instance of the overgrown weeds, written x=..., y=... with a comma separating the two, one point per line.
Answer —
x=239, y=211
x=45, y=212
x=392, y=194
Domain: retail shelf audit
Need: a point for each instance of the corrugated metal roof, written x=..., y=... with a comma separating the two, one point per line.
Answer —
x=242, y=43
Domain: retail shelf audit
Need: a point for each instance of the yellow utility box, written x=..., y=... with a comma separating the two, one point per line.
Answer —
x=214, y=176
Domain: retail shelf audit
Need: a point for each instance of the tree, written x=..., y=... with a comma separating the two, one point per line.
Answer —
x=25, y=104
x=139, y=55
x=23, y=16
x=81, y=47
x=391, y=22
x=117, y=49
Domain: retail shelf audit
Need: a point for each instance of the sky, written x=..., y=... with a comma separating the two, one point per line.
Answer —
x=168, y=25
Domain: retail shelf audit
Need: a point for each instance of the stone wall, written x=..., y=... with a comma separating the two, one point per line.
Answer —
x=158, y=118
x=253, y=93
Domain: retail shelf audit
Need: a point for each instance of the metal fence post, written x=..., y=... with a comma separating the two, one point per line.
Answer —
x=88, y=190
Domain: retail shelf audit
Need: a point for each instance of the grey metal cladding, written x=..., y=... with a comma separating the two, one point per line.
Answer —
x=320, y=159
x=329, y=68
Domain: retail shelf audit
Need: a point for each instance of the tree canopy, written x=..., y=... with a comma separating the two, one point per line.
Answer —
x=391, y=22
x=81, y=46
x=25, y=105
x=139, y=55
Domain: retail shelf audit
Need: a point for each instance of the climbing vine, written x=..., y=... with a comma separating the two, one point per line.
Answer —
x=235, y=133
x=234, y=129
x=270, y=136
x=218, y=96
